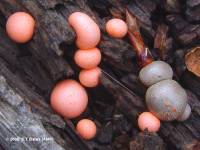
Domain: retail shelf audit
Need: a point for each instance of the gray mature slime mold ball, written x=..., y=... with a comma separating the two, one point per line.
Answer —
x=186, y=114
x=166, y=99
x=155, y=72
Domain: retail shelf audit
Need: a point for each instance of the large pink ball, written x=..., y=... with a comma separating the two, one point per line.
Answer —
x=69, y=99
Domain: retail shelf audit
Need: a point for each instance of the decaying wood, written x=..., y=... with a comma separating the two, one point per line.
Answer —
x=193, y=11
x=18, y=123
x=191, y=82
x=29, y=71
x=172, y=6
x=143, y=10
x=148, y=142
x=183, y=31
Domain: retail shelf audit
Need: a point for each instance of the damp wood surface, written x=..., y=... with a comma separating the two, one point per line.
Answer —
x=28, y=72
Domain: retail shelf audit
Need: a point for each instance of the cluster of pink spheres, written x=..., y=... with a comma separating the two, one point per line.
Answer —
x=88, y=57
x=69, y=98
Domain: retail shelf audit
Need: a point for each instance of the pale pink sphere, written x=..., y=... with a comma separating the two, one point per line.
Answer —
x=86, y=129
x=90, y=77
x=148, y=121
x=69, y=99
x=116, y=28
x=20, y=27
x=88, y=32
x=88, y=59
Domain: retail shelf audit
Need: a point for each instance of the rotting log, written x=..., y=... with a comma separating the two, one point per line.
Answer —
x=29, y=71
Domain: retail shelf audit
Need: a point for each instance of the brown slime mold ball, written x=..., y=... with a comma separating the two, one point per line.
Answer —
x=166, y=99
x=155, y=72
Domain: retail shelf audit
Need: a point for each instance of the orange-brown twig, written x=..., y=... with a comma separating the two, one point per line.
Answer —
x=143, y=53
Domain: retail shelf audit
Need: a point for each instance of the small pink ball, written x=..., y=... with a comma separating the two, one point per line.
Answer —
x=148, y=121
x=88, y=59
x=116, y=28
x=69, y=99
x=86, y=129
x=20, y=27
x=90, y=78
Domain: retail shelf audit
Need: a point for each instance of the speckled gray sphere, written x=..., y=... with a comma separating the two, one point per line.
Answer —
x=186, y=114
x=166, y=99
x=155, y=72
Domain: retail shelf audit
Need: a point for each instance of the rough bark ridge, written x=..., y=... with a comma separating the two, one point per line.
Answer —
x=29, y=71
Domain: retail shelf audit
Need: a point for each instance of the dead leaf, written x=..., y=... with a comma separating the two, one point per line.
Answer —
x=192, y=61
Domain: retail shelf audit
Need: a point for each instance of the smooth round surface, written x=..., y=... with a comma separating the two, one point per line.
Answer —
x=20, y=27
x=186, y=114
x=166, y=100
x=148, y=121
x=88, y=32
x=116, y=28
x=90, y=78
x=87, y=59
x=69, y=99
x=155, y=72
x=86, y=129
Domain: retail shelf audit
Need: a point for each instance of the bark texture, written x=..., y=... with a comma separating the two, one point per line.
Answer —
x=29, y=71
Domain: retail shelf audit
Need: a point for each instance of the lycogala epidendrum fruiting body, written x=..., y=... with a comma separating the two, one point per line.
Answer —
x=87, y=31
x=90, y=77
x=186, y=114
x=148, y=121
x=88, y=59
x=155, y=72
x=166, y=99
x=116, y=28
x=69, y=99
x=20, y=27
x=86, y=129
